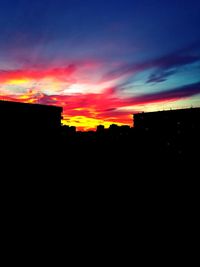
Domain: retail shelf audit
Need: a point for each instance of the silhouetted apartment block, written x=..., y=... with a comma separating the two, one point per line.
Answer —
x=100, y=129
x=168, y=121
x=68, y=130
x=34, y=119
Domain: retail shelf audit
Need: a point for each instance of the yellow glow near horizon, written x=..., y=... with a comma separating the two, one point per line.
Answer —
x=81, y=121
x=17, y=81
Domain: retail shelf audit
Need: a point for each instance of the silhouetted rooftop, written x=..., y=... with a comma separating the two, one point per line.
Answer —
x=170, y=111
x=12, y=104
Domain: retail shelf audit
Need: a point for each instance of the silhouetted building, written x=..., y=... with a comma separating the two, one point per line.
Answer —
x=100, y=129
x=114, y=129
x=171, y=134
x=167, y=121
x=29, y=119
x=69, y=129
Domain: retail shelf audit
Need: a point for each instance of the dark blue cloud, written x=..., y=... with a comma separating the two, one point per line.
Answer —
x=164, y=66
x=168, y=95
x=158, y=77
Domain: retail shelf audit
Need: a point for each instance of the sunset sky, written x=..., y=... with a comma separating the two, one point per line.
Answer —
x=101, y=60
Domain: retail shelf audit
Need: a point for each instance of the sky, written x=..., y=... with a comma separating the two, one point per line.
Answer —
x=101, y=60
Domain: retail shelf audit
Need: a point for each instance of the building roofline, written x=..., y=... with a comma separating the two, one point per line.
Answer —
x=168, y=110
x=30, y=104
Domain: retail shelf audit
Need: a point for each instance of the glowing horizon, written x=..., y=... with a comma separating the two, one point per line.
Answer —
x=87, y=103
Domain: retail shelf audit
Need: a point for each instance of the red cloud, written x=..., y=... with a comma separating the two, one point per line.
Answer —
x=61, y=73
